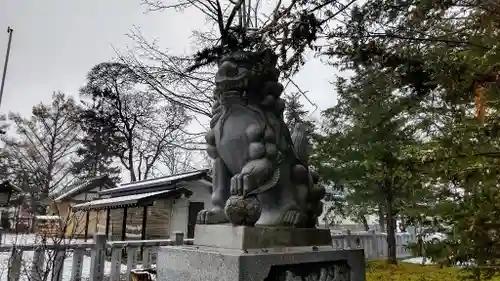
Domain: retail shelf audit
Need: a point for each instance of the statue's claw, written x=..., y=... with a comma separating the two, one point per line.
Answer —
x=253, y=174
x=236, y=187
x=293, y=218
x=211, y=216
x=240, y=185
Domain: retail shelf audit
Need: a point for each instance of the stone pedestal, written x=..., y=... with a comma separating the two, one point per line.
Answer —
x=244, y=237
x=259, y=254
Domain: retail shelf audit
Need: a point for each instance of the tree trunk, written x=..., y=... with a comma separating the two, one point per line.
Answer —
x=381, y=218
x=365, y=222
x=391, y=229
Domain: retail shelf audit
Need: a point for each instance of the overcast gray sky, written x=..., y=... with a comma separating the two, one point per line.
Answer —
x=56, y=42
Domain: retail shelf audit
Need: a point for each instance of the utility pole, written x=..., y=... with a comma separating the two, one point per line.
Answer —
x=10, y=31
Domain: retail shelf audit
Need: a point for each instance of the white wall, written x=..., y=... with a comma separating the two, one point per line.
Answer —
x=180, y=211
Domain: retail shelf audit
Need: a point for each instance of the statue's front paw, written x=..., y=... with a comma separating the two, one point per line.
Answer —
x=253, y=175
x=211, y=216
x=240, y=185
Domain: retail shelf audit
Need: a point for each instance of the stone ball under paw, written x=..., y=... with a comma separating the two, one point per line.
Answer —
x=243, y=211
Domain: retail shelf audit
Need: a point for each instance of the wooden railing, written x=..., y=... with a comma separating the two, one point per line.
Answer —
x=121, y=257
x=48, y=259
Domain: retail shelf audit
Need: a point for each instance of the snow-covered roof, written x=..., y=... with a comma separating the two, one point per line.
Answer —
x=157, y=182
x=47, y=217
x=83, y=186
x=126, y=200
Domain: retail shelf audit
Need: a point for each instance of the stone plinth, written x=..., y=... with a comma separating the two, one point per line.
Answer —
x=226, y=253
x=244, y=237
x=192, y=263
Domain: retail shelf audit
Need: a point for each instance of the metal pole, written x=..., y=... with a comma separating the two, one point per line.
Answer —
x=10, y=31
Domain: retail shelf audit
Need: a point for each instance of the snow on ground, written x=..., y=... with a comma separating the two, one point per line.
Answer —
x=417, y=260
x=29, y=239
x=28, y=257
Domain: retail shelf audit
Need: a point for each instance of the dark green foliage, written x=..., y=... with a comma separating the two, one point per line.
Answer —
x=290, y=31
x=100, y=143
x=367, y=148
x=295, y=113
x=299, y=31
x=431, y=61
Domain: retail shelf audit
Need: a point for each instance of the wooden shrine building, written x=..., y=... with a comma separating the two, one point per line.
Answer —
x=151, y=209
x=77, y=224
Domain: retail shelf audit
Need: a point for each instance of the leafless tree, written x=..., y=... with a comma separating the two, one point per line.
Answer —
x=287, y=27
x=180, y=160
x=166, y=74
x=147, y=125
x=50, y=241
x=44, y=145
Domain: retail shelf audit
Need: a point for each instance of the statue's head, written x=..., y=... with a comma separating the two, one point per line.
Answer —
x=246, y=72
x=250, y=77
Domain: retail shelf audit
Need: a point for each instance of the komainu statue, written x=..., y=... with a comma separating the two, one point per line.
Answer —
x=260, y=173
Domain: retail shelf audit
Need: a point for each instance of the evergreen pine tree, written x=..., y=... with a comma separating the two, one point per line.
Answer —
x=97, y=153
x=296, y=114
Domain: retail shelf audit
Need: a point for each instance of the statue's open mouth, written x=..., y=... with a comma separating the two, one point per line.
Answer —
x=232, y=85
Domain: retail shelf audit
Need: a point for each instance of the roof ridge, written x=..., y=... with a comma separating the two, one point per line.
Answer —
x=77, y=186
x=154, y=182
x=162, y=177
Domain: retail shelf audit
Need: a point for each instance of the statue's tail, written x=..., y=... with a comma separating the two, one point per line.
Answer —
x=315, y=192
x=301, y=143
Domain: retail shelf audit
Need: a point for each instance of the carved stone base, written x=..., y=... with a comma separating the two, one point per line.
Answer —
x=198, y=263
x=256, y=237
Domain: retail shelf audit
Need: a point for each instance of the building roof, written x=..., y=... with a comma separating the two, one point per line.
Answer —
x=83, y=186
x=164, y=183
x=129, y=200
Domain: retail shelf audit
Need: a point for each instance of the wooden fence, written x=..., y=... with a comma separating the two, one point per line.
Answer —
x=47, y=263
x=373, y=244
